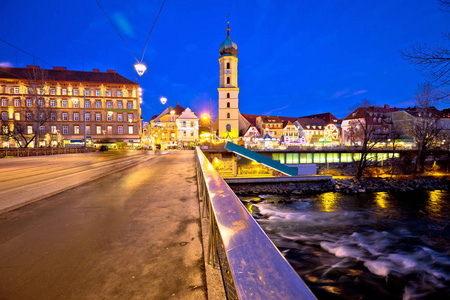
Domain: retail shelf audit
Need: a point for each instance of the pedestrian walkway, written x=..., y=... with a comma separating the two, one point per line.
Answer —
x=134, y=234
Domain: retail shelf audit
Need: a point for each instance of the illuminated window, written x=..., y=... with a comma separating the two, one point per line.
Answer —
x=130, y=129
x=292, y=158
x=87, y=104
x=88, y=129
x=30, y=129
x=86, y=92
x=108, y=104
x=97, y=93
x=119, y=117
x=76, y=129
x=99, y=129
x=119, y=104
x=87, y=117
x=119, y=94
x=65, y=129
x=75, y=104
x=120, y=130
x=17, y=116
x=53, y=129
x=76, y=117
x=75, y=92
x=16, y=102
x=130, y=117
x=4, y=102
x=108, y=93
x=98, y=104
x=64, y=103
x=64, y=116
x=16, y=90
x=109, y=129
x=98, y=117
x=130, y=105
x=28, y=102
x=52, y=103
x=64, y=91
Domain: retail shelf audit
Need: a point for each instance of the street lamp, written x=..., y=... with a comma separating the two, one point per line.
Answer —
x=163, y=100
x=140, y=68
x=208, y=117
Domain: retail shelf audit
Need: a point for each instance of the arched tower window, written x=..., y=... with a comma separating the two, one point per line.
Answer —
x=228, y=128
x=228, y=80
x=228, y=104
x=228, y=95
x=228, y=115
x=228, y=65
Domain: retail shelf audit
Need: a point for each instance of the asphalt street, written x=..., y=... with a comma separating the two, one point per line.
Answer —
x=134, y=234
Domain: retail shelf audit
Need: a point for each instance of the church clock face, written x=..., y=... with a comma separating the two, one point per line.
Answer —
x=228, y=72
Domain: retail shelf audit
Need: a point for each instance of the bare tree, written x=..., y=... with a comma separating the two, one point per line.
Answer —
x=432, y=61
x=353, y=133
x=393, y=136
x=374, y=128
x=27, y=128
x=425, y=127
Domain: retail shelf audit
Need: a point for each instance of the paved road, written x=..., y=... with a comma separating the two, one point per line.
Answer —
x=134, y=234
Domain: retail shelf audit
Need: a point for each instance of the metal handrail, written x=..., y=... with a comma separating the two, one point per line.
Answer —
x=252, y=267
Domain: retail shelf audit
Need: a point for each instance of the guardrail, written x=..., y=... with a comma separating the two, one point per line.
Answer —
x=22, y=152
x=251, y=265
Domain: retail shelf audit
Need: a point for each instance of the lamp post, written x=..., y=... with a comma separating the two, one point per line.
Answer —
x=208, y=117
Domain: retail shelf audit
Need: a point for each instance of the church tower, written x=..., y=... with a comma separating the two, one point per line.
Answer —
x=228, y=119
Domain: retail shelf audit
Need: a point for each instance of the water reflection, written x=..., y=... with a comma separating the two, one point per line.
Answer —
x=435, y=203
x=381, y=199
x=329, y=201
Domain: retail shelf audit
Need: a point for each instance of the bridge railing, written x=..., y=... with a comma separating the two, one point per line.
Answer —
x=252, y=267
x=22, y=152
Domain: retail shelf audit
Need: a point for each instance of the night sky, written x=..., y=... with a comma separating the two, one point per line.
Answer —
x=295, y=57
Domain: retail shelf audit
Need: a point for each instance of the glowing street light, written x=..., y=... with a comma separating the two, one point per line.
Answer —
x=140, y=68
x=163, y=100
x=206, y=117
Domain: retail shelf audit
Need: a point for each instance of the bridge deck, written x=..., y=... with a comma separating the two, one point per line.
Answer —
x=134, y=234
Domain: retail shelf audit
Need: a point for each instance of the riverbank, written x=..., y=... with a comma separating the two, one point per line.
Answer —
x=345, y=186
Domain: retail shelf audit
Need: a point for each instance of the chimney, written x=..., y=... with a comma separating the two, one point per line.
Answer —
x=96, y=70
x=387, y=106
x=59, y=69
x=32, y=67
x=111, y=71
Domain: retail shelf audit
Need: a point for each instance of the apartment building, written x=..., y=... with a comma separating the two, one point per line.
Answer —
x=56, y=107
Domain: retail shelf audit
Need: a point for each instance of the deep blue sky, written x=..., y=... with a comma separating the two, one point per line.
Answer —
x=295, y=57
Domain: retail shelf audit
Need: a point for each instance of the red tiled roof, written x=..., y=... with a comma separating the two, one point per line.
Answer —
x=60, y=74
x=311, y=122
x=327, y=117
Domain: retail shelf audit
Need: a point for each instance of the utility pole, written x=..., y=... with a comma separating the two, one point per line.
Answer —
x=210, y=125
x=84, y=118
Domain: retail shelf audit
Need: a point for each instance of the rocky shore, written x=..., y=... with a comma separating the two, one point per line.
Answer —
x=346, y=186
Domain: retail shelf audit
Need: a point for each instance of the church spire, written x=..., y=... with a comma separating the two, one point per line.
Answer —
x=228, y=25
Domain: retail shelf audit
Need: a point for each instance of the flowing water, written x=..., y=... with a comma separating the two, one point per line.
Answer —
x=364, y=246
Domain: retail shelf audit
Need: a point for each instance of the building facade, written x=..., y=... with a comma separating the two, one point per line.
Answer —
x=163, y=128
x=60, y=107
x=188, y=126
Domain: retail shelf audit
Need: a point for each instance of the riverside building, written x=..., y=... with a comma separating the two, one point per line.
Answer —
x=60, y=107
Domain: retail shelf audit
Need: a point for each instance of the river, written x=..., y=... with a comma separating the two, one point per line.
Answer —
x=363, y=246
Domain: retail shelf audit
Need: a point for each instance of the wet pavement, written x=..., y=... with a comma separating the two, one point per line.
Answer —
x=134, y=234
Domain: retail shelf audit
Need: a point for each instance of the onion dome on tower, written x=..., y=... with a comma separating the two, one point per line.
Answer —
x=228, y=47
